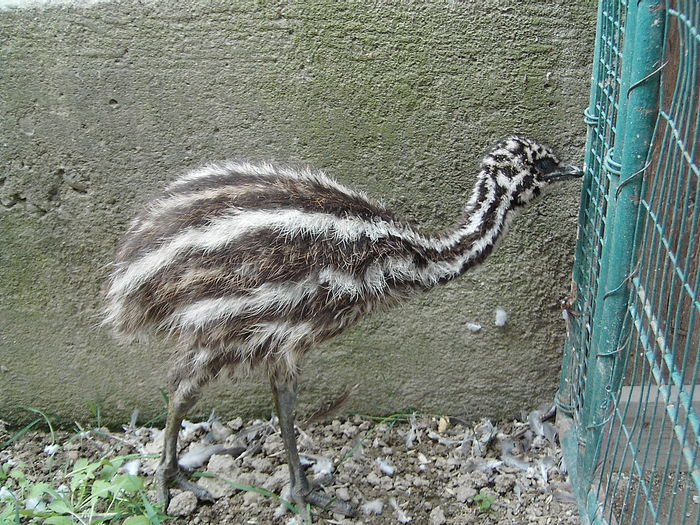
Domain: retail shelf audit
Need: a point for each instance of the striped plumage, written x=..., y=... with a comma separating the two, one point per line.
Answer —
x=243, y=264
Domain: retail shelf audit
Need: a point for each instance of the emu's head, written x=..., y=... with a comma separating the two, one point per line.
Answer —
x=522, y=168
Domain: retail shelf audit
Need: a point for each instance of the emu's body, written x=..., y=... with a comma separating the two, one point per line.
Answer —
x=243, y=264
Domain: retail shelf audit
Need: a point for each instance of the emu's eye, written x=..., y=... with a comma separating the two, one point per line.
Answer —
x=545, y=165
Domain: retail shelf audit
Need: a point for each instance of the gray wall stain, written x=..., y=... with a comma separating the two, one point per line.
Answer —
x=103, y=103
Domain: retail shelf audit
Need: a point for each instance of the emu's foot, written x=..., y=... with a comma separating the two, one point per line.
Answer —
x=166, y=477
x=323, y=501
x=322, y=481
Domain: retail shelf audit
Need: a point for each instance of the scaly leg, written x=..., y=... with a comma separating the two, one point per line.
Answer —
x=285, y=392
x=168, y=471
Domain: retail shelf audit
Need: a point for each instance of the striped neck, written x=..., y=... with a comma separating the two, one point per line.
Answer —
x=485, y=220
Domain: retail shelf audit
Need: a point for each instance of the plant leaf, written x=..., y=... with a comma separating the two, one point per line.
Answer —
x=60, y=506
x=17, y=474
x=37, y=490
x=151, y=512
x=108, y=472
x=137, y=520
x=59, y=520
x=101, y=489
x=128, y=482
x=20, y=433
x=80, y=465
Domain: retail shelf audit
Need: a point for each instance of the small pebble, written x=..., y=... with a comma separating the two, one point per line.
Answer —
x=235, y=424
x=262, y=465
x=272, y=445
x=35, y=504
x=420, y=482
x=278, y=479
x=222, y=464
x=132, y=467
x=251, y=498
x=220, y=432
x=343, y=494
x=373, y=479
x=464, y=493
x=182, y=504
x=503, y=483
x=437, y=516
x=478, y=479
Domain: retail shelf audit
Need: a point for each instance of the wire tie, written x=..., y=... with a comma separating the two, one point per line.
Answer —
x=610, y=165
x=616, y=289
x=630, y=179
x=608, y=389
x=645, y=78
x=623, y=344
x=602, y=423
x=567, y=408
x=590, y=118
x=608, y=354
x=626, y=280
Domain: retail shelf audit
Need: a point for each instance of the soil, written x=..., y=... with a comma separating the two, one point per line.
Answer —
x=403, y=469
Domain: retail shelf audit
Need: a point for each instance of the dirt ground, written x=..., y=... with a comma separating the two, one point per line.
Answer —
x=402, y=469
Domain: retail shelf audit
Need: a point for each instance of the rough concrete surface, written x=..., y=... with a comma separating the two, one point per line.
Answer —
x=102, y=103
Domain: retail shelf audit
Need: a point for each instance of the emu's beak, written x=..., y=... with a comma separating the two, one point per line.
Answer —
x=567, y=172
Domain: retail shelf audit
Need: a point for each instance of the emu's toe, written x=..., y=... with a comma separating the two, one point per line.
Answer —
x=318, y=498
x=322, y=481
x=175, y=477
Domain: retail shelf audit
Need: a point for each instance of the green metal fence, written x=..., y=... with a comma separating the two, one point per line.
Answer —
x=629, y=397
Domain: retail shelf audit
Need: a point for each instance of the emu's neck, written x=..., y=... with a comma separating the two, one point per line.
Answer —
x=485, y=220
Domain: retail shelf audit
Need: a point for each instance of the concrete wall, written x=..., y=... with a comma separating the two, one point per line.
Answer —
x=103, y=102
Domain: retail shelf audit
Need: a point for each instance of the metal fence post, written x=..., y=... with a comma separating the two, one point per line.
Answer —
x=566, y=399
x=638, y=100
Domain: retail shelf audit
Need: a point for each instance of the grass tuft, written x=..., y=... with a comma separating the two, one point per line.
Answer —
x=92, y=493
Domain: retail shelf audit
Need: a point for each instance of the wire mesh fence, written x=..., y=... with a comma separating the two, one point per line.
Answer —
x=629, y=397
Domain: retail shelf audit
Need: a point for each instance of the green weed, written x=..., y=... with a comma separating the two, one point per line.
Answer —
x=485, y=501
x=92, y=493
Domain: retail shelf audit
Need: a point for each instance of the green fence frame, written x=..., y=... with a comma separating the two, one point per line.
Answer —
x=628, y=397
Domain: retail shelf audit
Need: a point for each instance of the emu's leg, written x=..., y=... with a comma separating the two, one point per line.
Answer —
x=168, y=471
x=285, y=392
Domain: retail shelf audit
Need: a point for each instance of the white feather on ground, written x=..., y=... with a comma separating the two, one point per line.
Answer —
x=385, y=466
x=400, y=514
x=131, y=467
x=501, y=317
x=472, y=327
x=198, y=456
x=373, y=507
x=50, y=450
